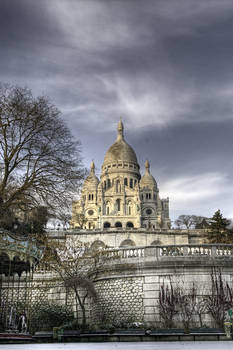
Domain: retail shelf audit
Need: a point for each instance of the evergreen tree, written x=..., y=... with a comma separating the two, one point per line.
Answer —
x=219, y=232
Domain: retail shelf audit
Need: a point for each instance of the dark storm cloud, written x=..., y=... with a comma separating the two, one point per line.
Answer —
x=164, y=66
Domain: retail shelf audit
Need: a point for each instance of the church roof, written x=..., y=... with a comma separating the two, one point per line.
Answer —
x=92, y=179
x=120, y=150
x=147, y=180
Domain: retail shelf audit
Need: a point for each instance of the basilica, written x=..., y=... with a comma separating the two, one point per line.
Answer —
x=121, y=198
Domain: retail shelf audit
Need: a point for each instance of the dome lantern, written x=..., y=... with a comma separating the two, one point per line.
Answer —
x=147, y=167
x=120, y=129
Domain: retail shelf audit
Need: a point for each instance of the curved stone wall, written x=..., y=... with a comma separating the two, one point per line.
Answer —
x=128, y=286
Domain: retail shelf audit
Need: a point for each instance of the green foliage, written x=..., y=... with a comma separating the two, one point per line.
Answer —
x=48, y=315
x=219, y=231
x=7, y=218
x=218, y=222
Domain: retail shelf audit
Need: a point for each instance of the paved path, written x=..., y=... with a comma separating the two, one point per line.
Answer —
x=207, y=345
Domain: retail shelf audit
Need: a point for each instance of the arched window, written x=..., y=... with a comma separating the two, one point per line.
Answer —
x=129, y=208
x=118, y=224
x=97, y=245
x=107, y=208
x=89, y=197
x=148, y=195
x=118, y=186
x=109, y=183
x=105, y=185
x=118, y=204
x=156, y=242
x=131, y=183
x=107, y=224
x=127, y=243
x=125, y=181
x=129, y=224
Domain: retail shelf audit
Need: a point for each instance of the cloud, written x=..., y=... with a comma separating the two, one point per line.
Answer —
x=193, y=194
x=164, y=66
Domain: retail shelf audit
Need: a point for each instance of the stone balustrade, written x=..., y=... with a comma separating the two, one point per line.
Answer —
x=160, y=252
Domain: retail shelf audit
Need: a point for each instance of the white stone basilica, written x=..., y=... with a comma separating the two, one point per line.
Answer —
x=121, y=198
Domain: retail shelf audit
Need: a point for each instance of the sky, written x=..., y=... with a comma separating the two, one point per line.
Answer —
x=165, y=67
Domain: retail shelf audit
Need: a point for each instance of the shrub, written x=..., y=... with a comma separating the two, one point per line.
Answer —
x=48, y=315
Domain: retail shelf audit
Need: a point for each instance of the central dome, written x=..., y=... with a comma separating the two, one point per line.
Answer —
x=120, y=150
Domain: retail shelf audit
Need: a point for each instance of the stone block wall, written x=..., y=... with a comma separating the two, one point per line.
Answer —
x=120, y=301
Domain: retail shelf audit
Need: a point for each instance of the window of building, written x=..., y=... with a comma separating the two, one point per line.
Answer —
x=125, y=181
x=148, y=211
x=118, y=204
x=129, y=224
x=107, y=224
x=129, y=211
x=131, y=183
x=90, y=212
x=127, y=243
x=148, y=195
x=109, y=183
x=118, y=186
x=118, y=224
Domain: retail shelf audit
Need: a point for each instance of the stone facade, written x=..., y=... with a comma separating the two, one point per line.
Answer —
x=121, y=198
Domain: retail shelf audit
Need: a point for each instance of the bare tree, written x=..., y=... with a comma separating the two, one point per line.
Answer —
x=167, y=304
x=220, y=298
x=64, y=217
x=75, y=263
x=40, y=162
x=80, y=219
x=201, y=309
x=187, y=300
x=189, y=221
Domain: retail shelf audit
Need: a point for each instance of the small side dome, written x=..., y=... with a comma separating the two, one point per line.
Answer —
x=147, y=180
x=92, y=179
